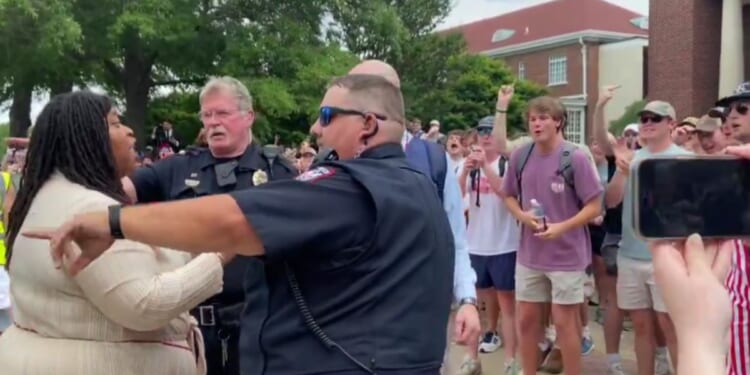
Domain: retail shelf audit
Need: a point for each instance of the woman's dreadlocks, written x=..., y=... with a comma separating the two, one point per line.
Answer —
x=71, y=136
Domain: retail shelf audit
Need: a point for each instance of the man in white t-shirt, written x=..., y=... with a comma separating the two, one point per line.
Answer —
x=493, y=238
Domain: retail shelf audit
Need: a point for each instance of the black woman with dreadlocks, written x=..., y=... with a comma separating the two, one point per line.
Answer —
x=128, y=312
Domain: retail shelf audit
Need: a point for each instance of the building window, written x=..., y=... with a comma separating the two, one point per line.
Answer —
x=521, y=71
x=558, y=70
x=575, y=128
x=502, y=34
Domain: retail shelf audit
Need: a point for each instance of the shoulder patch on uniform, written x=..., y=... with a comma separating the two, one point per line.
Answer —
x=316, y=173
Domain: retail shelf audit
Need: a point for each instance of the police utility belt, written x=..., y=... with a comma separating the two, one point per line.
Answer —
x=214, y=314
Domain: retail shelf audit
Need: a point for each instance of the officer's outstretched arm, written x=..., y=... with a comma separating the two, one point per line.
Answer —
x=202, y=225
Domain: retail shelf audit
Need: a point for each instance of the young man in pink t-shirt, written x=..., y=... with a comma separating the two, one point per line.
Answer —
x=554, y=252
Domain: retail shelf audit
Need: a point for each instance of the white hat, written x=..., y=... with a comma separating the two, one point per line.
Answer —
x=631, y=127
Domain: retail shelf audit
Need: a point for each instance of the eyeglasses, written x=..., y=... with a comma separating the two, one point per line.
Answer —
x=654, y=119
x=740, y=108
x=327, y=114
x=219, y=115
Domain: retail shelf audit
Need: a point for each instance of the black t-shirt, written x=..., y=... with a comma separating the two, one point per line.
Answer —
x=613, y=218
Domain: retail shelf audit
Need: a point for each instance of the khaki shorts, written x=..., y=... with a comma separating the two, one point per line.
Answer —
x=558, y=287
x=636, y=288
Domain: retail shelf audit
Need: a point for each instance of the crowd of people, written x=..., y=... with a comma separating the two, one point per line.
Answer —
x=345, y=256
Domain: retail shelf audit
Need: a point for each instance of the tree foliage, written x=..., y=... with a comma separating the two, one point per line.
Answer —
x=629, y=117
x=155, y=54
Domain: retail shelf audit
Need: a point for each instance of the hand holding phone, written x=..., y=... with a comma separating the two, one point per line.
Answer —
x=675, y=197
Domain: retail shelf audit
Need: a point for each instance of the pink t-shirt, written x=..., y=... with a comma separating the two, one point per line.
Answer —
x=540, y=181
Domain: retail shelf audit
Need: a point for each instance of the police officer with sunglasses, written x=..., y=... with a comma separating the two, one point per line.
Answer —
x=357, y=252
x=231, y=162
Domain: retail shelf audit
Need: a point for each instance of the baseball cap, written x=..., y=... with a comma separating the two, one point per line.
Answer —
x=631, y=128
x=434, y=122
x=689, y=121
x=708, y=124
x=741, y=92
x=659, y=107
x=486, y=122
x=718, y=112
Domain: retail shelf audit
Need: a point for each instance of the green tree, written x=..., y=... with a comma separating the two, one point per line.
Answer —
x=469, y=92
x=629, y=117
x=37, y=38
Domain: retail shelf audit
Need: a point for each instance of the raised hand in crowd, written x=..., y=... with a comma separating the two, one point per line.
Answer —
x=687, y=271
x=624, y=155
x=504, y=96
x=607, y=93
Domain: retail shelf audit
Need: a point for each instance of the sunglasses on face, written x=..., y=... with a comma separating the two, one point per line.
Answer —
x=327, y=114
x=741, y=108
x=484, y=131
x=654, y=119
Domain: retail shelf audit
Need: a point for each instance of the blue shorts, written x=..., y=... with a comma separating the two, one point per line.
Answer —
x=495, y=271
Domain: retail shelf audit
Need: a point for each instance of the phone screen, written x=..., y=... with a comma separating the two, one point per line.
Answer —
x=679, y=197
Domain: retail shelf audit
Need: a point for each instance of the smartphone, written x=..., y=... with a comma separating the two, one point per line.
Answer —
x=675, y=197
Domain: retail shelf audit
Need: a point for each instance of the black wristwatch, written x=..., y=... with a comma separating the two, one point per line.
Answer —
x=468, y=301
x=114, y=222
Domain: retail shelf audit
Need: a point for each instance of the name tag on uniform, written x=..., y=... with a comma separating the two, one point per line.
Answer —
x=316, y=174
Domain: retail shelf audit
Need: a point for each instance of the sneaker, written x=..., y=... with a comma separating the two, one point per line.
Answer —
x=587, y=346
x=490, y=343
x=470, y=367
x=553, y=364
x=544, y=349
x=661, y=365
x=511, y=368
x=615, y=369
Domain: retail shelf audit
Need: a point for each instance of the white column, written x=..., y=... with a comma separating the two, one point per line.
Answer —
x=732, y=59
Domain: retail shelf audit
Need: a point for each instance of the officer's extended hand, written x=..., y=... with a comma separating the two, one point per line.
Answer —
x=467, y=325
x=553, y=231
x=89, y=231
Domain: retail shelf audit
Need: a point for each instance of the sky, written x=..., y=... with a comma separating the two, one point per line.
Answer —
x=464, y=11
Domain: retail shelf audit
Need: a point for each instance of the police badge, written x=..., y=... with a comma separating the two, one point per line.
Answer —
x=260, y=177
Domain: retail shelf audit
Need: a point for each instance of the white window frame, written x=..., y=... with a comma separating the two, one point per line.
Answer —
x=575, y=128
x=557, y=71
x=521, y=71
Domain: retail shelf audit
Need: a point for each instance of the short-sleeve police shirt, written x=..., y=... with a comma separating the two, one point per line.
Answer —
x=317, y=215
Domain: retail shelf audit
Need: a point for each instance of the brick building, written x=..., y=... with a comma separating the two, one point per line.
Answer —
x=572, y=47
x=698, y=55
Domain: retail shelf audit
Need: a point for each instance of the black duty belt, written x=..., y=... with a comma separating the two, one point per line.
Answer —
x=212, y=314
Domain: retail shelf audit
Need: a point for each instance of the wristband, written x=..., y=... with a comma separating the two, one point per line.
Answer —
x=114, y=222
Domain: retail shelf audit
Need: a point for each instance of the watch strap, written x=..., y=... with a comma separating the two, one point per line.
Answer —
x=115, y=230
x=468, y=301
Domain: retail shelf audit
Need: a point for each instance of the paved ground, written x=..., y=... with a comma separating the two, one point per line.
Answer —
x=593, y=364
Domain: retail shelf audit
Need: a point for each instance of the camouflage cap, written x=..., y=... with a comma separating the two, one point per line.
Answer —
x=708, y=124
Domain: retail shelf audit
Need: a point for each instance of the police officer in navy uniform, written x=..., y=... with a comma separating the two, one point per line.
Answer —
x=351, y=288
x=231, y=162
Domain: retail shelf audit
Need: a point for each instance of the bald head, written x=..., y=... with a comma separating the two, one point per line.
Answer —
x=377, y=68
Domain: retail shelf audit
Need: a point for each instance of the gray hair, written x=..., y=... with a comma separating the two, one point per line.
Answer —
x=232, y=86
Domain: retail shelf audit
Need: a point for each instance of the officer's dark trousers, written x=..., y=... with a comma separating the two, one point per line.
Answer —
x=213, y=336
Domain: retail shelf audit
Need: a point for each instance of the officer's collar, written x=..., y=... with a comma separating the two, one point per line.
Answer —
x=250, y=159
x=386, y=150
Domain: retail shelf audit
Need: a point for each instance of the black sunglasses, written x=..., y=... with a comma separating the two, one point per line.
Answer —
x=740, y=108
x=327, y=114
x=484, y=131
x=653, y=118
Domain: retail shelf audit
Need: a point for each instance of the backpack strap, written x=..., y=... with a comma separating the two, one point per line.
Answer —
x=501, y=162
x=566, y=170
x=525, y=153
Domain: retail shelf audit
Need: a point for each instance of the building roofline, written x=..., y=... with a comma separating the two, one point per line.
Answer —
x=561, y=40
